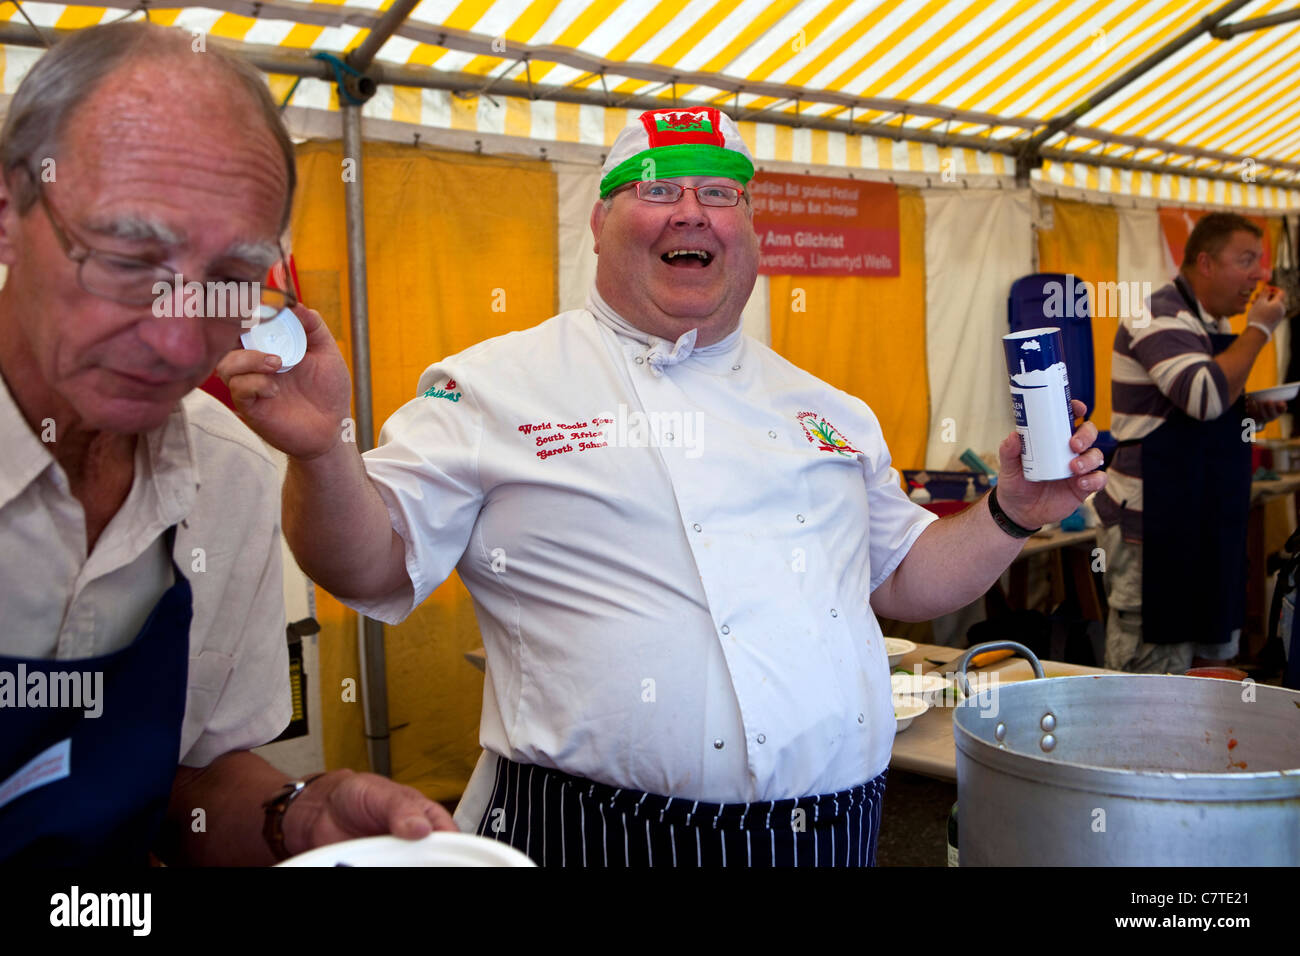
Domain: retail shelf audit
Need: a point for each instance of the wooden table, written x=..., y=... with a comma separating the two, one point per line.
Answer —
x=1055, y=540
x=927, y=747
x=1285, y=484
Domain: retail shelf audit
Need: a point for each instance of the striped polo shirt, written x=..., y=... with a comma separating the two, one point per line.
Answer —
x=1163, y=360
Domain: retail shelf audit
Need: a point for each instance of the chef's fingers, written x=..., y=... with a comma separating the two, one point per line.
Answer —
x=246, y=362
x=1084, y=437
x=1086, y=484
x=318, y=333
x=1078, y=408
x=248, y=390
x=1009, y=456
x=1090, y=460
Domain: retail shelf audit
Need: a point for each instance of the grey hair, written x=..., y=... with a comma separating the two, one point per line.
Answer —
x=73, y=69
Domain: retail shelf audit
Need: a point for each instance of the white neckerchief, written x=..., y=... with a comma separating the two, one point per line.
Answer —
x=660, y=353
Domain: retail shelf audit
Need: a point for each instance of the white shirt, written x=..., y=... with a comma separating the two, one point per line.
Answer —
x=686, y=615
x=203, y=471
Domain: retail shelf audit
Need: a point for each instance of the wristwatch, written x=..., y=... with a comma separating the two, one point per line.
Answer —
x=273, y=827
x=1004, y=522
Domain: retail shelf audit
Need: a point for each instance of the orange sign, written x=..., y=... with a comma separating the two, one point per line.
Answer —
x=1177, y=223
x=816, y=225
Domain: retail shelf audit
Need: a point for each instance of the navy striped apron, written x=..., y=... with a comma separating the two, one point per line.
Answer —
x=561, y=820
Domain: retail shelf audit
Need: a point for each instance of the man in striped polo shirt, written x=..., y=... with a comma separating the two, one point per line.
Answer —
x=1174, y=510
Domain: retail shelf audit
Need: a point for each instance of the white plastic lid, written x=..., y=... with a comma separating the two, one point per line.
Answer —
x=282, y=335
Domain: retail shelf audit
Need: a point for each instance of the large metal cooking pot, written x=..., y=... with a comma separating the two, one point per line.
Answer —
x=1127, y=770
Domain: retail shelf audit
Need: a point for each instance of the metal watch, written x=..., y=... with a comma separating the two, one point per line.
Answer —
x=276, y=807
x=1003, y=521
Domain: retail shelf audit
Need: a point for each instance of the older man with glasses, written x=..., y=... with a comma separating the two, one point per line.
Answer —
x=143, y=607
x=677, y=542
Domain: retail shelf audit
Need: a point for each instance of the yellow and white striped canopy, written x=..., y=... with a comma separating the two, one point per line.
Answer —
x=838, y=82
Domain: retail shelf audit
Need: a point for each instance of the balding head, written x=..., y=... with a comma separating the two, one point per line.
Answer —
x=69, y=76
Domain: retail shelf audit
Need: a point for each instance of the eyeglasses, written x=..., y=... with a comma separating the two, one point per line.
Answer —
x=237, y=303
x=663, y=191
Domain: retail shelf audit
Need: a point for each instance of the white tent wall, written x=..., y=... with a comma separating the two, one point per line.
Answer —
x=1141, y=248
x=576, y=187
x=977, y=242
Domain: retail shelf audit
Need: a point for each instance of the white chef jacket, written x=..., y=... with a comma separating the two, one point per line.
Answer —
x=203, y=471
x=670, y=551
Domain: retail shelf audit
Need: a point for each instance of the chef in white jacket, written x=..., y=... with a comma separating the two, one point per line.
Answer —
x=677, y=542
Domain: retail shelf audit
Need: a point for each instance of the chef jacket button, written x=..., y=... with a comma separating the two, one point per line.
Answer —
x=762, y=738
x=697, y=527
x=771, y=434
x=639, y=360
x=735, y=368
x=861, y=719
x=726, y=629
x=717, y=743
x=799, y=518
x=668, y=436
x=834, y=613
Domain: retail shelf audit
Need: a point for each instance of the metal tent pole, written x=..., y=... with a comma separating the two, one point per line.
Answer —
x=274, y=60
x=1030, y=156
x=370, y=633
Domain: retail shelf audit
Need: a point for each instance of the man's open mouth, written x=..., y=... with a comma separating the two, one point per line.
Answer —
x=687, y=258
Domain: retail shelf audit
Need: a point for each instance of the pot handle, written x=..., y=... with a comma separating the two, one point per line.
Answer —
x=971, y=653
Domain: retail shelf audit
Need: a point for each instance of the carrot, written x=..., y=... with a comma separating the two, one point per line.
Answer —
x=989, y=657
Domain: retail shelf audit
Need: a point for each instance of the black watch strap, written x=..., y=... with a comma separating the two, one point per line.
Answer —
x=1001, y=519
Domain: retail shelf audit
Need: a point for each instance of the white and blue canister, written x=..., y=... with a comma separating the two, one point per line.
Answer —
x=1040, y=399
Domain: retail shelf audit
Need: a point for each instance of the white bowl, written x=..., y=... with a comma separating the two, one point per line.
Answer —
x=931, y=688
x=907, y=709
x=897, y=649
x=437, y=849
x=1278, y=393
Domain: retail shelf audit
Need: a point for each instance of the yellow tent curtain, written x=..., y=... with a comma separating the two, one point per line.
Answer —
x=866, y=335
x=455, y=255
x=1084, y=241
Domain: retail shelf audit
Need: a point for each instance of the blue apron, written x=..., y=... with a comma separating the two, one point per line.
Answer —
x=1195, y=508
x=109, y=808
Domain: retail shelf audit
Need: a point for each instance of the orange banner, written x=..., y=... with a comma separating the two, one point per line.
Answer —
x=815, y=225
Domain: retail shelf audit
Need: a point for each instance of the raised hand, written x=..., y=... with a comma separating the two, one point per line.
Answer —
x=304, y=411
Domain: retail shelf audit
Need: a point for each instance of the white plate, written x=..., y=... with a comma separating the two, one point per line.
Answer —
x=437, y=849
x=930, y=688
x=907, y=709
x=897, y=649
x=281, y=334
x=1278, y=393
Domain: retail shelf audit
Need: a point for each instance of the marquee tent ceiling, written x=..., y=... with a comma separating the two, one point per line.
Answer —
x=981, y=75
